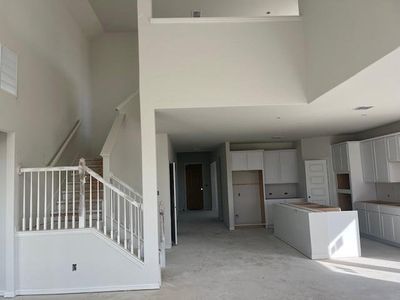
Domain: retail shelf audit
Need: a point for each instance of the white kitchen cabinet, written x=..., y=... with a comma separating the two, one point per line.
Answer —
x=387, y=227
x=269, y=206
x=247, y=160
x=374, y=224
x=340, y=157
x=396, y=228
x=393, y=148
x=381, y=161
x=368, y=161
x=272, y=168
x=363, y=221
x=280, y=167
x=289, y=168
x=255, y=160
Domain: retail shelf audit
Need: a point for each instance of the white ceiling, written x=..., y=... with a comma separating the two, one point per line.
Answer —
x=331, y=114
x=116, y=15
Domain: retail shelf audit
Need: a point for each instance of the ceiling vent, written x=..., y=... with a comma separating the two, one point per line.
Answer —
x=196, y=13
x=363, y=107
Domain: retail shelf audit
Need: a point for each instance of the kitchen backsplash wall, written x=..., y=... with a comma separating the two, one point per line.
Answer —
x=388, y=191
x=280, y=191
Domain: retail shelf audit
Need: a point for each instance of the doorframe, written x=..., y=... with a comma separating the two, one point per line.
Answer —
x=202, y=178
x=10, y=221
x=214, y=188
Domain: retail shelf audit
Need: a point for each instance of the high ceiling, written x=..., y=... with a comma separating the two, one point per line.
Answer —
x=116, y=15
x=333, y=113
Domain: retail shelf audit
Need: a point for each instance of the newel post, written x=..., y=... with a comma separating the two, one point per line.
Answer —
x=82, y=209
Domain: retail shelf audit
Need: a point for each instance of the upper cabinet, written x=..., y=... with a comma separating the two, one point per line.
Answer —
x=381, y=159
x=280, y=167
x=247, y=160
x=340, y=158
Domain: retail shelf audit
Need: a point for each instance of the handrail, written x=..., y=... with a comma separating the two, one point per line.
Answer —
x=117, y=124
x=48, y=169
x=64, y=145
x=125, y=185
x=112, y=188
x=121, y=106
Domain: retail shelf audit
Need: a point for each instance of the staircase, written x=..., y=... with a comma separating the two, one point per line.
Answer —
x=65, y=198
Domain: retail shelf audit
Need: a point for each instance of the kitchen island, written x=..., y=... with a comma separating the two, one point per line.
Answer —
x=318, y=231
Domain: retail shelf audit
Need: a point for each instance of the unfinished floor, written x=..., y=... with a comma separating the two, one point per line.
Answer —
x=213, y=263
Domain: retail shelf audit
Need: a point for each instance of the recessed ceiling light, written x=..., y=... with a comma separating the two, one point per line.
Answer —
x=278, y=118
x=366, y=107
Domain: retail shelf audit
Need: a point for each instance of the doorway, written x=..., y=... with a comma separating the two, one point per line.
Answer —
x=194, y=186
x=174, y=217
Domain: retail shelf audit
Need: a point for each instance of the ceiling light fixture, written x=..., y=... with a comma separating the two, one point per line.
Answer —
x=366, y=107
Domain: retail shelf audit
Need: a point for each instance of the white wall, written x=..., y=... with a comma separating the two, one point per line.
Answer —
x=225, y=8
x=44, y=264
x=53, y=74
x=165, y=156
x=115, y=76
x=125, y=158
x=3, y=155
x=344, y=37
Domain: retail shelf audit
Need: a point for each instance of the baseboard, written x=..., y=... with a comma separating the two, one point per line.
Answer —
x=88, y=290
x=7, y=294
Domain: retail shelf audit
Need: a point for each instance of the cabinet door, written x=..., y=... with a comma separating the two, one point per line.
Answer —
x=336, y=158
x=239, y=160
x=255, y=160
x=396, y=227
x=272, y=167
x=270, y=210
x=381, y=163
x=288, y=160
x=344, y=161
x=374, y=224
x=363, y=221
x=393, y=148
x=387, y=227
x=368, y=162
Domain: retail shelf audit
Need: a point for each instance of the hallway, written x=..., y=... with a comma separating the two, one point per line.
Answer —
x=213, y=263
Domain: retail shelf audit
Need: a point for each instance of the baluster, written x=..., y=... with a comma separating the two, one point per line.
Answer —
x=66, y=199
x=112, y=213
x=131, y=225
x=82, y=208
x=125, y=243
x=30, y=203
x=59, y=199
x=98, y=205
x=138, y=229
x=90, y=203
x=52, y=201
x=73, y=199
x=45, y=202
x=104, y=210
x=24, y=203
x=118, y=220
x=38, y=201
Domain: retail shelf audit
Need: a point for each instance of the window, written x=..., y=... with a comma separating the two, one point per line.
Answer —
x=8, y=70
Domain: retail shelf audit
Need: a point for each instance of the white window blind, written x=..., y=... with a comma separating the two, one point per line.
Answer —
x=8, y=70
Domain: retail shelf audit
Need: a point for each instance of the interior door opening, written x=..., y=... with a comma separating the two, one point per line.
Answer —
x=174, y=217
x=194, y=186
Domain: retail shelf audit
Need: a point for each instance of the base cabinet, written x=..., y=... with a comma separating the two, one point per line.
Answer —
x=387, y=227
x=374, y=223
x=363, y=221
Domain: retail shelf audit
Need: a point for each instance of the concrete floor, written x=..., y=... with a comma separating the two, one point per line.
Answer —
x=212, y=263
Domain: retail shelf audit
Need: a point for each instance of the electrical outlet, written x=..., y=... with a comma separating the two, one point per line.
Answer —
x=74, y=267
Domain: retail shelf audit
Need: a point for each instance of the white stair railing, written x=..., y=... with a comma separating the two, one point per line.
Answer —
x=55, y=198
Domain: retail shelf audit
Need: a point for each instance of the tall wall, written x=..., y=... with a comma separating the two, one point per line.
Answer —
x=165, y=156
x=344, y=37
x=53, y=74
x=125, y=162
x=115, y=76
x=225, y=8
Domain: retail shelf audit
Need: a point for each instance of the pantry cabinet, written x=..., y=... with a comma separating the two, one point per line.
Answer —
x=247, y=160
